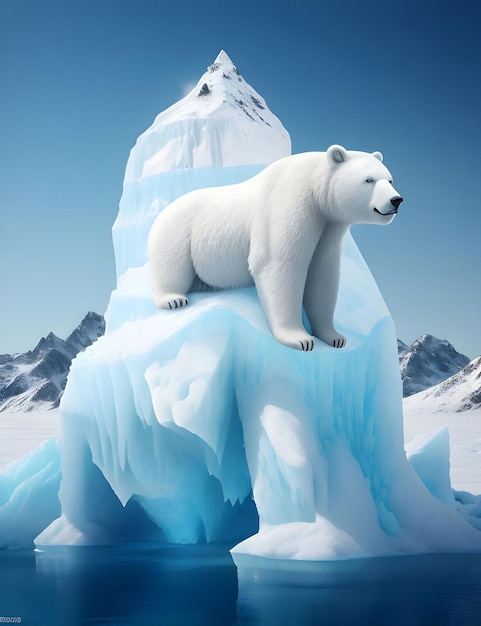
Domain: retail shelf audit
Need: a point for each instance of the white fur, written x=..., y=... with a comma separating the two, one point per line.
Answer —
x=281, y=230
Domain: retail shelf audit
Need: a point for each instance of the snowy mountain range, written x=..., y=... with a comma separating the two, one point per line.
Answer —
x=460, y=392
x=36, y=379
x=428, y=362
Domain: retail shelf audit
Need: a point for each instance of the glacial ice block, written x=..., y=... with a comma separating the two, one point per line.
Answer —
x=28, y=495
x=196, y=425
x=429, y=456
x=193, y=416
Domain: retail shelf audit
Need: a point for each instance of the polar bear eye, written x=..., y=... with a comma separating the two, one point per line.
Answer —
x=369, y=180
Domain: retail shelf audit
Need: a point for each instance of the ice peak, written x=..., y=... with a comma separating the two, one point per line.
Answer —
x=221, y=59
x=223, y=66
x=221, y=122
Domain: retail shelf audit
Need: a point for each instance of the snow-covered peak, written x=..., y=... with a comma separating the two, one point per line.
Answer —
x=221, y=122
x=402, y=348
x=36, y=379
x=460, y=392
x=223, y=62
x=222, y=59
x=50, y=342
x=89, y=330
x=431, y=342
x=220, y=92
x=427, y=362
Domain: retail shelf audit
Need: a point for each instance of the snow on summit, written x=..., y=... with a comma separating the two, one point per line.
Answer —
x=222, y=122
x=427, y=362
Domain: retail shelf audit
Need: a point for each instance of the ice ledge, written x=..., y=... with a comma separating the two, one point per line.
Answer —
x=299, y=541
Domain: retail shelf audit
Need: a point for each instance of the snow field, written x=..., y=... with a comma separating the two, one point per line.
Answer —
x=464, y=436
x=21, y=433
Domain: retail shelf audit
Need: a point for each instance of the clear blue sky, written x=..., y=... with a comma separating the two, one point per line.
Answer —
x=80, y=80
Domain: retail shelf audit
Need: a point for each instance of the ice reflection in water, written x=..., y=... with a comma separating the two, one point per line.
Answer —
x=144, y=584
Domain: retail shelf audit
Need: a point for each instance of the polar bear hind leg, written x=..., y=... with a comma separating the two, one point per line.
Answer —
x=172, y=284
x=170, y=291
x=172, y=277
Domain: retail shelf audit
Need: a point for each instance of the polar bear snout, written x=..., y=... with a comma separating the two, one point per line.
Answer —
x=396, y=201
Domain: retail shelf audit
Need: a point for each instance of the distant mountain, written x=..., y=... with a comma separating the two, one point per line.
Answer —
x=36, y=379
x=460, y=392
x=89, y=330
x=428, y=362
x=402, y=348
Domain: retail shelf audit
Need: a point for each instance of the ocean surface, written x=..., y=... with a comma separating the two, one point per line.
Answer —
x=147, y=584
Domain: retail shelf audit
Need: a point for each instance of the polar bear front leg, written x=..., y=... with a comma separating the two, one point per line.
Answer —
x=322, y=286
x=280, y=294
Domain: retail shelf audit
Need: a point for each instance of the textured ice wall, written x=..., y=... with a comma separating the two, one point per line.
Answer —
x=190, y=414
x=28, y=496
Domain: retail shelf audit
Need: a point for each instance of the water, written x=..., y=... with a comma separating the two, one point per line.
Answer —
x=151, y=584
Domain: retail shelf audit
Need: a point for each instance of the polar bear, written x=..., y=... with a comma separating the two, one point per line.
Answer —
x=281, y=230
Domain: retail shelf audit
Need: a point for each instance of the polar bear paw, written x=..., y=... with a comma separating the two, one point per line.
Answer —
x=171, y=301
x=297, y=340
x=177, y=303
x=307, y=345
x=340, y=342
x=334, y=339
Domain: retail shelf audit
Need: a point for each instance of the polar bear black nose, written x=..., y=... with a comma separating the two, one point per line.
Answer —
x=396, y=201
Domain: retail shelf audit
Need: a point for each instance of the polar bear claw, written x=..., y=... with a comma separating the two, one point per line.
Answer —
x=307, y=345
x=178, y=303
x=339, y=343
x=171, y=301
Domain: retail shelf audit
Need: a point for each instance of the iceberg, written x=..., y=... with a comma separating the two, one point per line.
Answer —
x=29, y=495
x=197, y=426
x=429, y=456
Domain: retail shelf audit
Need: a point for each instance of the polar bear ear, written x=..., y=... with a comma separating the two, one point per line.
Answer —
x=336, y=154
x=378, y=156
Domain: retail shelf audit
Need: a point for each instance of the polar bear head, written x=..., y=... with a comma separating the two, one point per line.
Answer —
x=360, y=187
